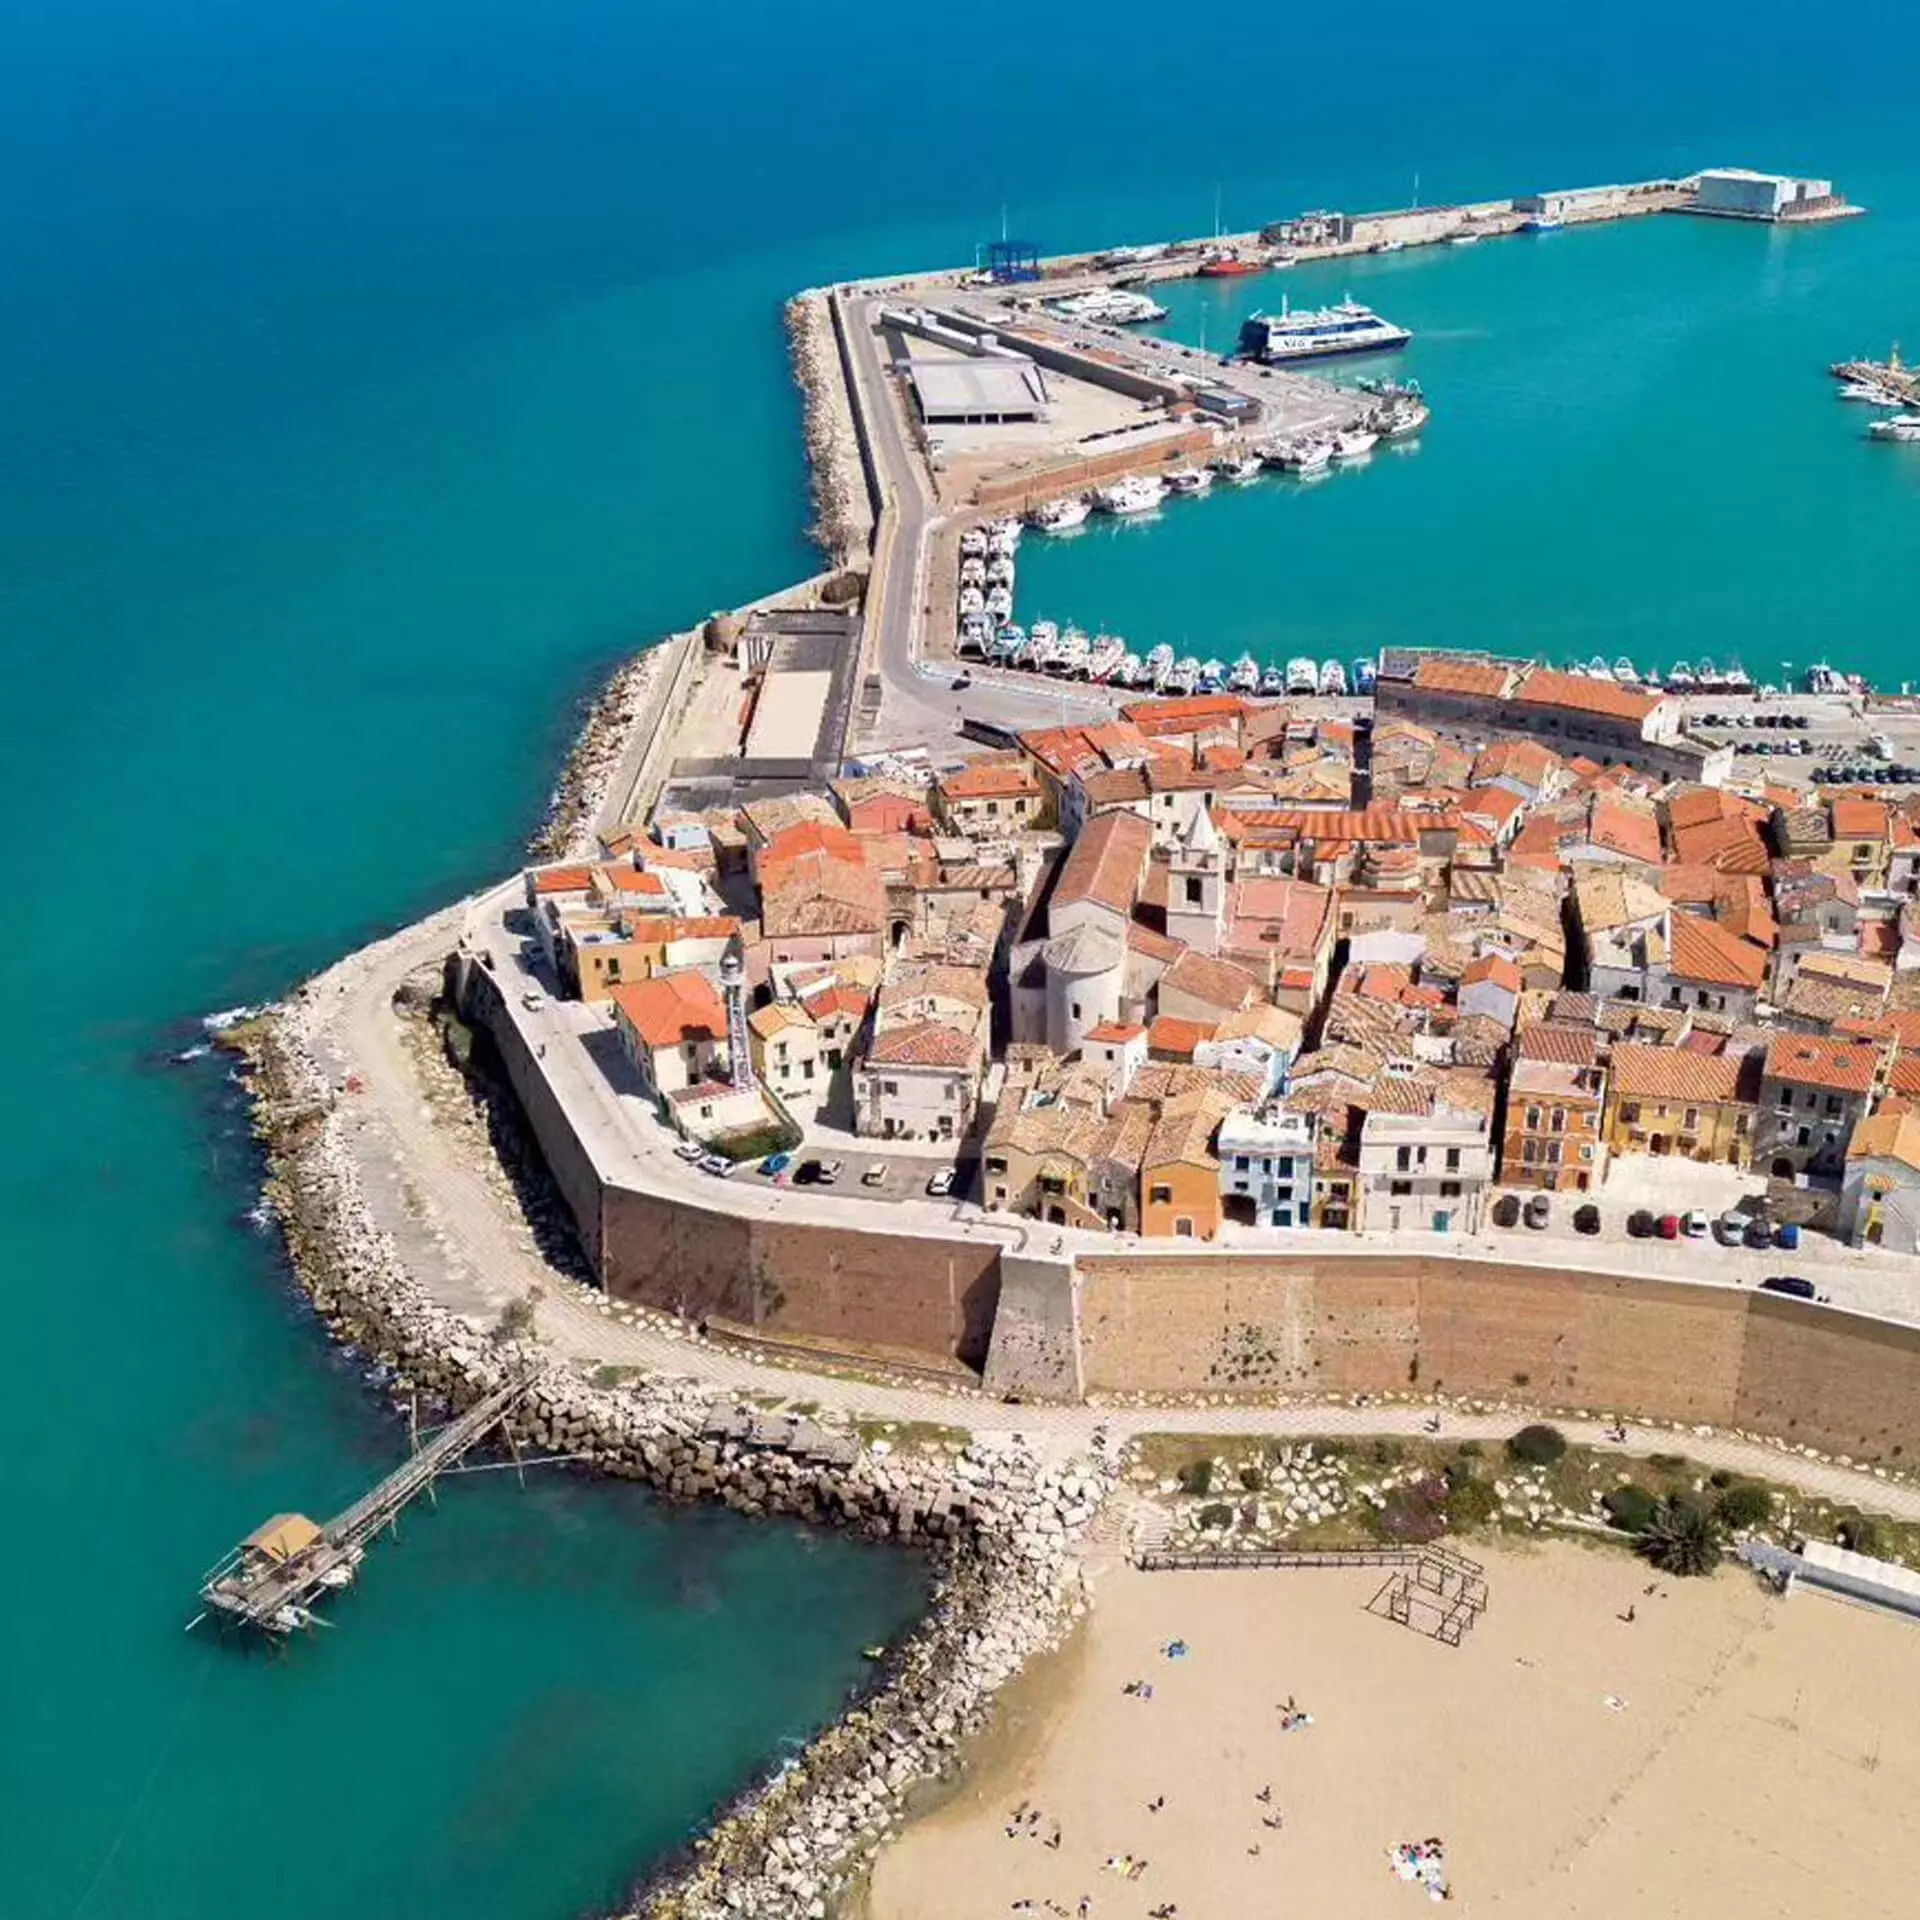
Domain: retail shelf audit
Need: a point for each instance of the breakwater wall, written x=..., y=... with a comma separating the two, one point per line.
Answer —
x=998, y=1521
x=845, y=494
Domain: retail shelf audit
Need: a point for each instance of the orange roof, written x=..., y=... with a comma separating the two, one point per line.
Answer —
x=1855, y=819
x=1495, y=967
x=673, y=1008
x=1105, y=863
x=1113, y=1033
x=1438, y=675
x=634, y=880
x=990, y=780
x=811, y=837
x=1177, y=1037
x=562, y=879
x=1705, y=951
x=1623, y=828
x=1183, y=716
x=1818, y=1060
x=1673, y=1073
x=1383, y=823
x=923, y=1043
x=1574, y=692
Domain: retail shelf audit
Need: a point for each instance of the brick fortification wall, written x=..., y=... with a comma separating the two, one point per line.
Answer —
x=838, y=1288
x=1466, y=1327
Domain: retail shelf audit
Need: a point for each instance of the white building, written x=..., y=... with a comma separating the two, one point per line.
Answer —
x=1739, y=193
x=1424, y=1172
x=1266, y=1167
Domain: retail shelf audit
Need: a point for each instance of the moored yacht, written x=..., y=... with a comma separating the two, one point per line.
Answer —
x=973, y=543
x=1189, y=480
x=1000, y=602
x=1333, y=678
x=1135, y=494
x=973, y=571
x=1159, y=665
x=1736, y=679
x=1681, y=677
x=1245, y=677
x=1213, y=675
x=1597, y=669
x=1059, y=516
x=1626, y=672
x=1070, y=654
x=1108, y=651
x=1238, y=468
x=1273, y=682
x=1185, y=675
x=972, y=600
x=1364, y=674
x=1303, y=675
x=1354, y=444
x=1045, y=635
x=1902, y=428
x=1131, y=672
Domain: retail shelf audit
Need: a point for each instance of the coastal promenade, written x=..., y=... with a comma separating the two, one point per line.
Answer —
x=468, y=1247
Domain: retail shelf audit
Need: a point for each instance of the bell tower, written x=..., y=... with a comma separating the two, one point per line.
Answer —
x=1197, y=886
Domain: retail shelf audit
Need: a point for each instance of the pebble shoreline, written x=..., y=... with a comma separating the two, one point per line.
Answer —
x=999, y=1524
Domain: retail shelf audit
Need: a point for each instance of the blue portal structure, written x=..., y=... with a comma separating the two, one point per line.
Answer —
x=1012, y=261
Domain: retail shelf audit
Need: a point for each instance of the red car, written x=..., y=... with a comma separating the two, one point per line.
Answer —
x=1669, y=1226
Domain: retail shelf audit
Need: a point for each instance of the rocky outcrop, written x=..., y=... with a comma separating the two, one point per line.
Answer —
x=842, y=511
x=997, y=1521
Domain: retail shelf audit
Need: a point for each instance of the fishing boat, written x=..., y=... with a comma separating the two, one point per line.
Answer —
x=1135, y=494
x=1009, y=643
x=1312, y=455
x=973, y=571
x=1059, y=516
x=1354, y=444
x=1303, y=675
x=972, y=600
x=1273, y=682
x=1070, y=655
x=1003, y=535
x=1680, y=677
x=973, y=543
x=1225, y=265
x=1131, y=672
x=1045, y=635
x=1541, y=223
x=1107, y=653
x=1189, y=480
x=1466, y=237
x=976, y=634
x=1399, y=415
x=1000, y=602
x=1159, y=665
x=1186, y=674
x=1245, y=677
x=1736, y=679
x=1364, y=675
x=1333, y=678
x=1867, y=393
x=1238, y=468
x=1000, y=570
x=1213, y=675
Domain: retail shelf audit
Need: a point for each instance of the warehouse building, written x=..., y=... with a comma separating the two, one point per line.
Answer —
x=991, y=392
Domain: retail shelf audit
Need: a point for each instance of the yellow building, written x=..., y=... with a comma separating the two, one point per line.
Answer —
x=1671, y=1100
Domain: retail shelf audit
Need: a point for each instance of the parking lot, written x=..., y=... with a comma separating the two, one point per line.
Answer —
x=862, y=1174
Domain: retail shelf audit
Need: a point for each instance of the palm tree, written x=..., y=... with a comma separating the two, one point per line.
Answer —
x=1683, y=1538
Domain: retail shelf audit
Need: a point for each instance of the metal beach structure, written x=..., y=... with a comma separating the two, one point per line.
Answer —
x=272, y=1579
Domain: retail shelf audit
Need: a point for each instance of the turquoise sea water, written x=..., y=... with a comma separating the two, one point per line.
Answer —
x=373, y=377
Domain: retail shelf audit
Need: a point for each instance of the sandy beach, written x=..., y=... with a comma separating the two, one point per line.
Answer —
x=1759, y=1757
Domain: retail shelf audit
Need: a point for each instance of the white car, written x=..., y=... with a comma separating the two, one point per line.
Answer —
x=533, y=999
x=1695, y=1225
x=941, y=1184
x=691, y=1150
x=718, y=1165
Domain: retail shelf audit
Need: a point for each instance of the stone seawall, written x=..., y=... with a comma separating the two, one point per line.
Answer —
x=998, y=1522
x=842, y=507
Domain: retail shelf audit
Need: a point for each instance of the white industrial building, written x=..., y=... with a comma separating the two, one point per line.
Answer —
x=990, y=391
x=1738, y=193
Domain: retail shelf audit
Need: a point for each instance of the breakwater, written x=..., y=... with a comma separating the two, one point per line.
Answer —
x=998, y=1520
x=842, y=524
x=587, y=775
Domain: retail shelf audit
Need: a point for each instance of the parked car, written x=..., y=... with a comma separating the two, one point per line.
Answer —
x=1790, y=1283
x=1586, y=1219
x=1670, y=1226
x=1539, y=1206
x=1758, y=1233
x=940, y=1184
x=533, y=999
x=829, y=1171
x=1787, y=1235
x=776, y=1164
x=691, y=1150
x=1730, y=1229
x=1642, y=1225
x=1506, y=1210
x=1695, y=1224
x=718, y=1165
x=875, y=1175
x=807, y=1173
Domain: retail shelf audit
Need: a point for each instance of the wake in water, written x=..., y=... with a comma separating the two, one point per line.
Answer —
x=231, y=1017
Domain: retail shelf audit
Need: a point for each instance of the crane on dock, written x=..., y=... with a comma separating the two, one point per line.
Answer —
x=272, y=1579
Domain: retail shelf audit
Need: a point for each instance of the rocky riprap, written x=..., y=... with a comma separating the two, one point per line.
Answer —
x=998, y=1522
x=842, y=516
x=581, y=790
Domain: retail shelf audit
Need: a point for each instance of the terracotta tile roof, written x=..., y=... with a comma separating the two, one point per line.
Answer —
x=562, y=879
x=1177, y=1038
x=1843, y=1065
x=1524, y=760
x=1495, y=967
x=1437, y=674
x=1888, y=1136
x=1573, y=692
x=1154, y=946
x=1496, y=805
x=1105, y=863
x=1113, y=1033
x=1622, y=827
x=1730, y=845
x=1706, y=952
x=1673, y=1073
x=1386, y=825
x=1184, y=716
x=1215, y=983
x=672, y=1009
x=1183, y=1134
x=777, y=1016
x=1855, y=819
x=923, y=1043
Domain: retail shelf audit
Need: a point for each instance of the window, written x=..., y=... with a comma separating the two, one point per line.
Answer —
x=1630, y=1111
x=1802, y=1136
x=1449, y=1189
x=1403, y=1158
x=1076, y=1009
x=1833, y=1103
x=1529, y=1152
x=1183, y=1227
x=1399, y=1186
x=1453, y=1159
x=1559, y=1119
x=1160, y=1196
x=889, y=1086
x=1691, y=1122
x=996, y=1166
x=1240, y=1161
x=1533, y=1119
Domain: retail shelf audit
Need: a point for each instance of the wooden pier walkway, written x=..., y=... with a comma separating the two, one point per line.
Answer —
x=271, y=1580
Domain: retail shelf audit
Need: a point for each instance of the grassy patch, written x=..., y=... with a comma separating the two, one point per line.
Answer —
x=906, y=1436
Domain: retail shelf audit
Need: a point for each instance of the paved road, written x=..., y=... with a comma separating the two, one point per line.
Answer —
x=469, y=1248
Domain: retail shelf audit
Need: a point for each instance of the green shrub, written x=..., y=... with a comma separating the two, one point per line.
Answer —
x=1743, y=1506
x=1470, y=1449
x=1719, y=1477
x=1198, y=1478
x=1386, y=1453
x=1538, y=1446
x=1683, y=1538
x=1253, y=1479
x=1629, y=1508
x=1415, y=1514
x=1470, y=1503
x=1215, y=1515
x=1860, y=1533
x=1667, y=1462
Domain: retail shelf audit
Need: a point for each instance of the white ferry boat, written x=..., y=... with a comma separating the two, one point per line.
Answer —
x=1189, y=480
x=1903, y=428
x=1318, y=333
x=1238, y=468
x=1354, y=444
x=1245, y=677
x=1303, y=675
x=1159, y=666
x=1135, y=494
x=1273, y=682
x=1059, y=516
x=1333, y=678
